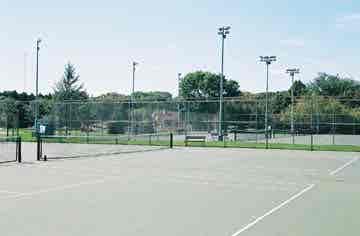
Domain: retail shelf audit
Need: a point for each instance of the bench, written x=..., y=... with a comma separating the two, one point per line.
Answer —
x=196, y=139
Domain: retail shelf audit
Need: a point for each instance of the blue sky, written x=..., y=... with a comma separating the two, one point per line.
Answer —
x=166, y=37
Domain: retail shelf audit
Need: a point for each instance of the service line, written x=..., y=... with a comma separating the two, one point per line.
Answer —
x=257, y=220
x=334, y=172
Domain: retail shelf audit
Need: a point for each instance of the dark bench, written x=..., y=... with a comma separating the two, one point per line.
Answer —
x=193, y=138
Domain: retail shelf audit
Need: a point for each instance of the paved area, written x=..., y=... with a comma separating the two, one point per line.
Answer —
x=318, y=139
x=183, y=191
x=321, y=139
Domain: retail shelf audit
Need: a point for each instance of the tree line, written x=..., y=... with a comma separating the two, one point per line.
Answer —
x=195, y=85
x=331, y=91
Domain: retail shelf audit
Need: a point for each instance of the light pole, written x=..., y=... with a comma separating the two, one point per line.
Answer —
x=38, y=41
x=223, y=31
x=179, y=94
x=132, y=115
x=268, y=60
x=292, y=73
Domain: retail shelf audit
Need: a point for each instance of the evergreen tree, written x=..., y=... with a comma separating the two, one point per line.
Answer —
x=69, y=87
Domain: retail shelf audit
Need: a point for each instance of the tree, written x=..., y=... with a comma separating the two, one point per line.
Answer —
x=232, y=88
x=155, y=95
x=323, y=115
x=299, y=88
x=112, y=96
x=68, y=88
x=19, y=96
x=280, y=101
x=330, y=85
x=8, y=114
x=202, y=85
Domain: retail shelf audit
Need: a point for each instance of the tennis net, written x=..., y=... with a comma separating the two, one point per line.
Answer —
x=10, y=149
x=63, y=147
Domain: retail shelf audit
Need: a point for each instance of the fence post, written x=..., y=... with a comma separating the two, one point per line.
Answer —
x=312, y=125
x=18, y=122
x=70, y=119
x=333, y=128
x=171, y=140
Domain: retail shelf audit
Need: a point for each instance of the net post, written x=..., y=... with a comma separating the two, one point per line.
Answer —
x=39, y=152
x=171, y=140
x=18, y=151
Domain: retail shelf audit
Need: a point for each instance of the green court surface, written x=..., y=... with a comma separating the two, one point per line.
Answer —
x=183, y=191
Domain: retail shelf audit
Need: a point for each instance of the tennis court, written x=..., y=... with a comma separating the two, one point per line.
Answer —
x=182, y=191
x=321, y=139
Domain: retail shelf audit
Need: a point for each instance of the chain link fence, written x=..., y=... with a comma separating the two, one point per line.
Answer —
x=316, y=120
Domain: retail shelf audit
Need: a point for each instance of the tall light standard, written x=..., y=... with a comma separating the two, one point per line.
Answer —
x=268, y=60
x=223, y=31
x=132, y=115
x=292, y=73
x=38, y=41
x=179, y=94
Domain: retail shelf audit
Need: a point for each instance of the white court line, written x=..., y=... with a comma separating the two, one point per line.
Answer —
x=78, y=173
x=8, y=192
x=296, y=196
x=334, y=172
x=60, y=188
x=344, y=166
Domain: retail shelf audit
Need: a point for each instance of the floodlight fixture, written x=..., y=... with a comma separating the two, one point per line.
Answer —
x=268, y=60
x=38, y=41
x=292, y=72
x=134, y=64
x=222, y=31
